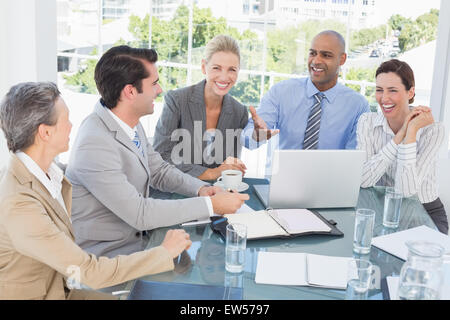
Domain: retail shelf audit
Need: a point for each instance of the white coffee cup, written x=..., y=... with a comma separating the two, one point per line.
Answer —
x=231, y=179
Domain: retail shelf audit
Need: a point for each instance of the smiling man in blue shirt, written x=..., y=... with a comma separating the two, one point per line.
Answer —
x=315, y=112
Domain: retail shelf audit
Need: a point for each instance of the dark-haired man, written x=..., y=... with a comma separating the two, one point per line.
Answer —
x=112, y=165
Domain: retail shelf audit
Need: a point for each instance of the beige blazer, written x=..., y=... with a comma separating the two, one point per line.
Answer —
x=37, y=248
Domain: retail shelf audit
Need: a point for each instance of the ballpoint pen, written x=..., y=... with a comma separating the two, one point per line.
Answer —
x=119, y=293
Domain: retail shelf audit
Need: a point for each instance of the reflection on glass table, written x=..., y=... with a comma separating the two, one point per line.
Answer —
x=206, y=256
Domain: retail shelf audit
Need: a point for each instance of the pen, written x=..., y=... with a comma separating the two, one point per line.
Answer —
x=219, y=221
x=119, y=293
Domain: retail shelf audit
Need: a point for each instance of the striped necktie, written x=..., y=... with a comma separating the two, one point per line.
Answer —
x=311, y=139
x=137, y=142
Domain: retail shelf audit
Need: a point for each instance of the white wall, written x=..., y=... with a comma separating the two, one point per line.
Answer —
x=28, y=46
x=440, y=94
x=3, y=57
x=28, y=42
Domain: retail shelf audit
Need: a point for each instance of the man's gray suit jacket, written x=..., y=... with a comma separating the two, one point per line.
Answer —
x=111, y=180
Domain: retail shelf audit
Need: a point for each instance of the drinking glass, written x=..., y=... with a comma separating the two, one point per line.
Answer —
x=362, y=237
x=392, y=208
x=236, y=242
x=358, y=279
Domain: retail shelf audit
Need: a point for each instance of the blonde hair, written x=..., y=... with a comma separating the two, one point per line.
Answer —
x=222, y=43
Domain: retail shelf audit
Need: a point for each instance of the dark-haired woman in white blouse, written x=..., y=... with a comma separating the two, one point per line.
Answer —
x=402, y=143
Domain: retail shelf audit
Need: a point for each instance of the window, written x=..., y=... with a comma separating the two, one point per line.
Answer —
x=274, y=40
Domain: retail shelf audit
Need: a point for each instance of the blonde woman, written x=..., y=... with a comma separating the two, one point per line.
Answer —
x=205, y=115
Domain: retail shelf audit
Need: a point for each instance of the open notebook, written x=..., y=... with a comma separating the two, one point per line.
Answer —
x=302, y=269
x=283, y=223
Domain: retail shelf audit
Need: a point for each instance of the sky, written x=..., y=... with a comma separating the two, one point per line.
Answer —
x=407, y=8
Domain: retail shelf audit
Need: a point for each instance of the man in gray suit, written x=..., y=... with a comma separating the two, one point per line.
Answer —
x=112, y=165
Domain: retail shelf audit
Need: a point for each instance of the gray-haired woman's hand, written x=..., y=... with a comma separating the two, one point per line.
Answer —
x=176, y=241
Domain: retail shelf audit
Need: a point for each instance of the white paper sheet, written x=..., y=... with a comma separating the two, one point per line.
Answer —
x=245, y=208
x=300, y=221
x=259, y=224
x=392, y=283
x=281, y=268
x=301, y=269
x=394, y=243
x=329, y=272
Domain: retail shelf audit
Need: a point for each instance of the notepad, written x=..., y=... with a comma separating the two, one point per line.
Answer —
x=392, y=284
x=282, y=223
x=302, y=269
x=395, y=243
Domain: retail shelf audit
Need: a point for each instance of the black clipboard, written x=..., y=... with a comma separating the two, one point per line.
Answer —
x=219, y=225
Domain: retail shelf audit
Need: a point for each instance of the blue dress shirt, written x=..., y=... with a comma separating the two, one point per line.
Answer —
x=287, y=106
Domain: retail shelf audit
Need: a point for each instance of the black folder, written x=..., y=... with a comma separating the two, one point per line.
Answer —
x=385, y=289
x=153, y=290
x=219, y=225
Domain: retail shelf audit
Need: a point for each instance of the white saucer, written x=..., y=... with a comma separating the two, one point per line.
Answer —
x=242, y=187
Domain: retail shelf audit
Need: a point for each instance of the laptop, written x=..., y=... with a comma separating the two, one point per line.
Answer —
x=313, y=179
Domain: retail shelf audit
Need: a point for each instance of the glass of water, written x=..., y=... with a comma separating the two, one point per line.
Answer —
x=392, y=208
x=359, y=274
x=362, y=237
x=236, y=243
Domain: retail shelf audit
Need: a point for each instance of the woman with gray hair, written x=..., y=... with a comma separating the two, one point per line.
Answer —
x=37, y=247
x=206, y=117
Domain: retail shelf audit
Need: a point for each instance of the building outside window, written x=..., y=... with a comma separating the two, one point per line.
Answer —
x=274, y=36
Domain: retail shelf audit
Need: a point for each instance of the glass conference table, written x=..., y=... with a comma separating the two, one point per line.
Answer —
x=204, y=261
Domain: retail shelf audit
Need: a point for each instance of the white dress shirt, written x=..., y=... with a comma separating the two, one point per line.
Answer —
x=410, y=168
x=130, y=132
x=52, y=182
